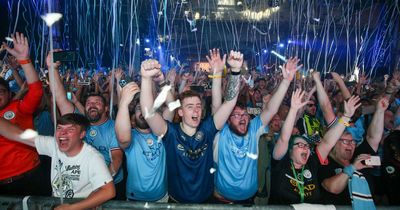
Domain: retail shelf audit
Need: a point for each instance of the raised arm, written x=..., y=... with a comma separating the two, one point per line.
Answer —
x=149, y=69
x=13, y=132
x=339, y=81
x=217, y=67
x=21, y=53
x=334, y=133
x=282, y=144
x=123, y=121
x=57, y=88
x=288, y=71
x=375, y=129
x=323, y=99
x=337, y=183
x=235, y=60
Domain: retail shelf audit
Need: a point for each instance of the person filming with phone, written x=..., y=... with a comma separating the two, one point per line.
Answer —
x=347, y=159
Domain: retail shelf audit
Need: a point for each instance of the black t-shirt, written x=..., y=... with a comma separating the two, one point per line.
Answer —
x=333, y=168
x=365, y=148
x=327, y=171
x=391, y=167
x=284, y=187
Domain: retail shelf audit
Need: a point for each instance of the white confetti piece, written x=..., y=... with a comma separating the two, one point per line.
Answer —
x=51, y=18
x=148, y=114
x=174, y=105
x=252, y=156
x=28, y=134
x=9, y=39
x=161, y=97
x=212, y=170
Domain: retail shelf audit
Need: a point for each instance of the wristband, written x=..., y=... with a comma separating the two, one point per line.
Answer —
x=216, y=76
x=235, y=73
x=344, y=122
x=344, y=115
x=26, y=61
x=349, y=170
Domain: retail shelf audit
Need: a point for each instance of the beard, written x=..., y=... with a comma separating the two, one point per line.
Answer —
x=141, y=123
x=93, y=116
x=237, y=132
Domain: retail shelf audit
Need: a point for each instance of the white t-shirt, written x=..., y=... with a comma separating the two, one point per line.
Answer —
x=80, y=175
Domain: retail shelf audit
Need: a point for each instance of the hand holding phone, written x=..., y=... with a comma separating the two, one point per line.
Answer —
x=373, y=161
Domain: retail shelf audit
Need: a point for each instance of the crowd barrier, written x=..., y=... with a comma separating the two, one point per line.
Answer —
x=48, y=203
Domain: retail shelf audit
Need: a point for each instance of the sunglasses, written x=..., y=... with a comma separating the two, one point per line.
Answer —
x=302, y=145
x=310, y=105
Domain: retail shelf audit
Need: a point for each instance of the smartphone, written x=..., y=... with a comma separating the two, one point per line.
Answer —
x=65, y=56
x=69, y=96
x=373, y=161
x=197, y=88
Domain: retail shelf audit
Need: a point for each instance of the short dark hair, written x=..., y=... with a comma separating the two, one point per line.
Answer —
x=96, y=95
x=74, y=119
x=5, y=84
x=188, y=94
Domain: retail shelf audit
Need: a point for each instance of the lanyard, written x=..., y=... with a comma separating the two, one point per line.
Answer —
x=299, y=181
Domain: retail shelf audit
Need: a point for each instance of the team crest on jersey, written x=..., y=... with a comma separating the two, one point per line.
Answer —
x=307, y=174
x=180, y=147
x=93, y=133
x=149, y=142
x=390, y=169
x=9, y=115
x=199, y=136
x=338, y=170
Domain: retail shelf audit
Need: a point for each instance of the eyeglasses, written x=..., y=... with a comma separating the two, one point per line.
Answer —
x=240, y=116
x=302, y=145
x=348, y=141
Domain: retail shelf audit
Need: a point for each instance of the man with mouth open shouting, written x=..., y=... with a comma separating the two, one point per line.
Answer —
x=101, y=132
x=236, y=145
x=189, y=143
x=77, y=169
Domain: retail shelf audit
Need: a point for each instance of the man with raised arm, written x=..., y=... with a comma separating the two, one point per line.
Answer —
x=77, y=169
x=100, y=133
x=144, y=151
x=19, y=164
x=236, y=145
x=189, y=143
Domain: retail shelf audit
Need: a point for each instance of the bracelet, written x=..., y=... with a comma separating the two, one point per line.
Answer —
x=22, y=62
x=343, y=122
x=344, y=115
x=216, y=76
x=349, y=170
x=235, y=73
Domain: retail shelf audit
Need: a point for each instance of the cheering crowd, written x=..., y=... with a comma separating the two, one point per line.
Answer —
x=225, y=135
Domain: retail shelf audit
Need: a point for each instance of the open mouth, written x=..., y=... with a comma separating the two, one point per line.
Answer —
x=195, y=119
x=304, y=156
x=63, y=141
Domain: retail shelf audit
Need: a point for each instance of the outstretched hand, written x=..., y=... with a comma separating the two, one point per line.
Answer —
x=296, y=102
x=21, y=46
x=351, y=105
x=217, y=64
x=289, y=68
